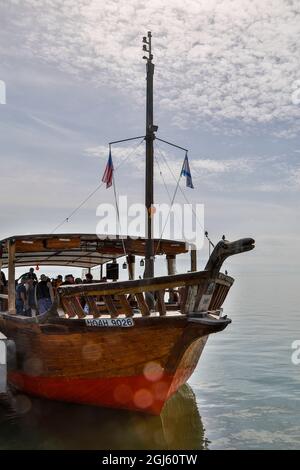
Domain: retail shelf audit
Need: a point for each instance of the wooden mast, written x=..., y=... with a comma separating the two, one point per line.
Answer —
x=150, y=129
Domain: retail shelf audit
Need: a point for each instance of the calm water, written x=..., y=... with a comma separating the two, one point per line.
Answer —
x=244, y=394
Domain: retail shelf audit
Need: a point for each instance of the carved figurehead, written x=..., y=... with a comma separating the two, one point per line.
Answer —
x=224, y=249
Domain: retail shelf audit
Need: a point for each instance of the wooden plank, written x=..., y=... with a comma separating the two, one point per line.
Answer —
x=125, y=305
x=29, y=246
x=72, y=308
x=11, y=277
x=142, y=285
x=131, y=266
x=198, y=296
x=78, y=308
x=190, y=300
x=161, y=302
x=170, y=247
x=142, y=304
x=171, y=264
x=68, y=308
x=62, y=243
x=110, y=306
x=193, y=260
x=183, y=296
x=93, y=309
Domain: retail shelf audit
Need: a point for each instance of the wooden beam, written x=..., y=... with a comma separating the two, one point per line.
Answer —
x=131, y=266
x=131, y=287
x=125, y=305
x=161, y=302
x=142, y=304
x=67, y=305
x=93, y=309
x=112, y=310
x=171, y=263
x=193, y=260
x=11, y=277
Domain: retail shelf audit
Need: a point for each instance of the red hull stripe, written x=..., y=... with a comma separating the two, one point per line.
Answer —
x=132, y=393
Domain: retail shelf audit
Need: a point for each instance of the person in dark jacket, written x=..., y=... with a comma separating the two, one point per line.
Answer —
x=3, y=281
x=30, y=275
x=69, y=279
x=22, y=307
x=88, y=278
x=44, y=294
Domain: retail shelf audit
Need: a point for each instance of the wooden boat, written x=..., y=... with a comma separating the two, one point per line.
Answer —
x=128, y=348
x=120, y=354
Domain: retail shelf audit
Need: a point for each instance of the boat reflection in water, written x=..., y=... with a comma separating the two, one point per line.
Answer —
x=42, y=424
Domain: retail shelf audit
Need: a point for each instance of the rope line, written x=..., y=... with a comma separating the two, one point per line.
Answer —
x=66, y=219
x=171, y=205
x=181, y=190
x=118, y=214
x=187, y=200
x=162, y=177
x=78, y=207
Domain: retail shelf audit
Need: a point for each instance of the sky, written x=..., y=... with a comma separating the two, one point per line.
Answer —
x=226, y=86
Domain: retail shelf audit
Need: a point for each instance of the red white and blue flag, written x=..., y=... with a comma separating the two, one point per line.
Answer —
x=187, y=172
x=108, y=173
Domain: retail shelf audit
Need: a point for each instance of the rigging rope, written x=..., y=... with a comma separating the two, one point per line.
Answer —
x=162, y=177
x=171, y=205
x=181, y=190
x=185, y=197
x=66, y=219
x=118, y=214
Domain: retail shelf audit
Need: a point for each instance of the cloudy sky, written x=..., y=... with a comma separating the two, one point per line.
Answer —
x=227, y=87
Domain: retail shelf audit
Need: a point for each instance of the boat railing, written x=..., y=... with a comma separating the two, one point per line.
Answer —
x=223, y=284
x=144, y=296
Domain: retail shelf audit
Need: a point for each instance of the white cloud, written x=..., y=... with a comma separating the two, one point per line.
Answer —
x=223, y=166
x=219, y=63
x=295, y=177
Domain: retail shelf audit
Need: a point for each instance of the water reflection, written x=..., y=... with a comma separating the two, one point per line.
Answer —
x=42, y=424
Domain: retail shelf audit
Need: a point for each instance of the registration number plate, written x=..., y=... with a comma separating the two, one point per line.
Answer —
x=110, y=322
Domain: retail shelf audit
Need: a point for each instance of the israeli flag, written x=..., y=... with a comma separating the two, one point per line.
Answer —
x=187, y=172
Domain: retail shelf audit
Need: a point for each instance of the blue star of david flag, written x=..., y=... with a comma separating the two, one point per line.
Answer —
x=187, y=172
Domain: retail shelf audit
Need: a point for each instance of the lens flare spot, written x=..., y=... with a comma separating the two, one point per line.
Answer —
x=33, y=366
x=22, y=404
x=153, y=371
x=143, y=398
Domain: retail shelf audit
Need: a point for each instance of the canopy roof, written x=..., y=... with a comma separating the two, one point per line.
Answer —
x=80, y=250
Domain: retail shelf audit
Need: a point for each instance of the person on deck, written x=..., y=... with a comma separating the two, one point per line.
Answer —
x=31, y=295
x=88, y=278
x=44, y=294
x=56, y=283
x=3, y=281
x=69, y=279
x=22, y=307
x=3, y=284
x=30, y=275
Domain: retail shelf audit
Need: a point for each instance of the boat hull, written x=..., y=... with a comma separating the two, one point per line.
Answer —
x=136, y=368
x=132, y=393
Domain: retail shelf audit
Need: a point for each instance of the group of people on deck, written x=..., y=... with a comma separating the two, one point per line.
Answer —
x=35, y=297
